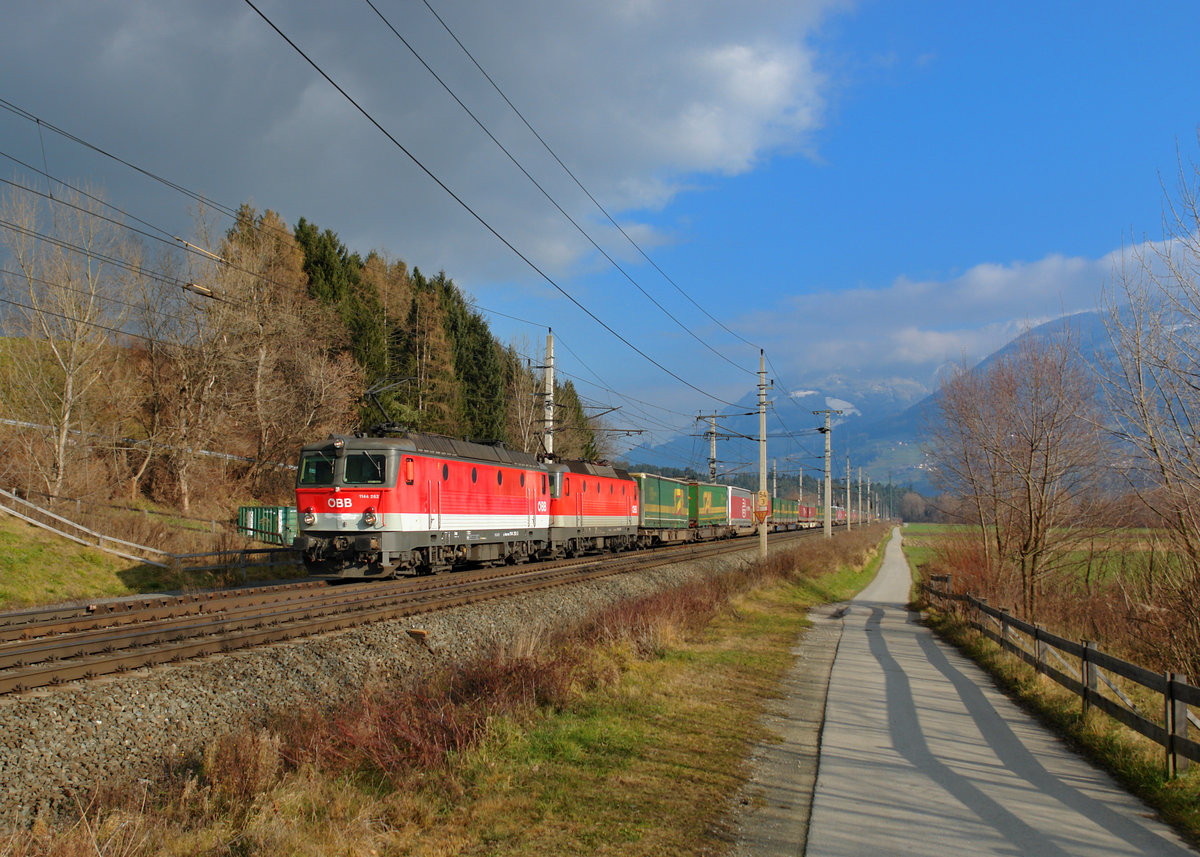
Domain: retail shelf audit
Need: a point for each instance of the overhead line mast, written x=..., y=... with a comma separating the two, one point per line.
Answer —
x=764, y=499
x=548, y=397
x=826, y=430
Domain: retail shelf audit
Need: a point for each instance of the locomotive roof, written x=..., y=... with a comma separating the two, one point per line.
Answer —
x=436, y=444
x=592, y=468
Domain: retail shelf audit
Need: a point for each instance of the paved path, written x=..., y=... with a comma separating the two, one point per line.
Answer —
x=921, y=755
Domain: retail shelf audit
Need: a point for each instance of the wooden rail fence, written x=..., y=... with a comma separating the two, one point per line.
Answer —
x=236, y=559
x=1082, y=668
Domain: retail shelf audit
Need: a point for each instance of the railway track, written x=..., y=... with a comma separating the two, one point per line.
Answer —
x=40, y=648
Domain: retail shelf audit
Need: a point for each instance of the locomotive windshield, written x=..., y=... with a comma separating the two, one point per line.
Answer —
x=363, y=468
x=316, y=469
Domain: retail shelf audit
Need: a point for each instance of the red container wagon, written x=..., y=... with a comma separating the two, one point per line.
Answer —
x=809, y=516
x=592, y=507
x=741, y=518
x=417, y=503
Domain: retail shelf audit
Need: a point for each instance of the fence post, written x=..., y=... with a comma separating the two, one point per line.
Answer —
x=1176, y=720
x=1169, y=759
x=1088, y=676
x=1039, y=648
x=979, y=620
x=1003, y=628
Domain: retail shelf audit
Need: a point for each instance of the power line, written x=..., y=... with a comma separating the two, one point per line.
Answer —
x=574, y=178
x=602, y=385
x=90, y=253
x=169, y=240
x=74, y=320
x=200, y=198
x=175, y=244
x=546, y=193
x=204, y=201
x=479, y=218
x=108, y=298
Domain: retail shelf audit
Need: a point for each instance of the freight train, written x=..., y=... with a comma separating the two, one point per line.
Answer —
x=419, y=503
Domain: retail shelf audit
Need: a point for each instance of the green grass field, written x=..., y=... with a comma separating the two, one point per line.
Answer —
x=38, y=567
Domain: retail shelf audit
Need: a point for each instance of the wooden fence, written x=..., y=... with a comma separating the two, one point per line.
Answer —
x=1084, y=670
x=240, y=560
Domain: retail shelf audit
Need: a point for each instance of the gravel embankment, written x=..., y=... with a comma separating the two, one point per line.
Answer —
x=57, y=744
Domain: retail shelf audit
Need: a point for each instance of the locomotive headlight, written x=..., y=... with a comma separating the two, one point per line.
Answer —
x=369, y=516
x=310, y=517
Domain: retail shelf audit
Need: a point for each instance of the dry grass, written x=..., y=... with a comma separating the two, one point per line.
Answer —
x=1102, y=609
x=627, y=737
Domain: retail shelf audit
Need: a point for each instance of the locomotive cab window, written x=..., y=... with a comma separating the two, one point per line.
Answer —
x=365, y=468
x=316, y=469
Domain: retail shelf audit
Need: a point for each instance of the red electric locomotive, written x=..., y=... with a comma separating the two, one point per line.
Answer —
x=418, y=503
x=592, y=507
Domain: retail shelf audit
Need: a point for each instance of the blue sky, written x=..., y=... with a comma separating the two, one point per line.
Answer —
x=868, y=190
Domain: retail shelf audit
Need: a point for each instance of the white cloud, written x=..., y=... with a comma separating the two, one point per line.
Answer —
x=640, y=97
x=914, y=327
x=842, y=405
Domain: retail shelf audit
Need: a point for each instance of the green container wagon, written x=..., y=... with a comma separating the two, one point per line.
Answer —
x=663, y=502
x=275, y=525
x=707, y=504
x=784, y=511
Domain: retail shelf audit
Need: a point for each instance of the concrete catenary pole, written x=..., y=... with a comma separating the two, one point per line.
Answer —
x=760, y=506
x=548, y=398
x=860, y=508
x=712, y=448
x=827, y=430
x=849, y=477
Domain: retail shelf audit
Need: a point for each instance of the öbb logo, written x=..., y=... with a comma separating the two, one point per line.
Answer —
x=339, y=502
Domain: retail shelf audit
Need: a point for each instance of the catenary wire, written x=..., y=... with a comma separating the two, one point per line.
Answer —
x=574, y=178
x=547, y=194
x=479, y=218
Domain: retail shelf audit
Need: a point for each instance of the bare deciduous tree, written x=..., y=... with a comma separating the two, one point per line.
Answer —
x=282, y=378
x=1022, y=440
x=70, y=269
x=1153, y=392
x=525, y=413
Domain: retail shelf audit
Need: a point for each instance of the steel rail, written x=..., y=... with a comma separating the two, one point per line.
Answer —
x=26, y=624
x=95, y=651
